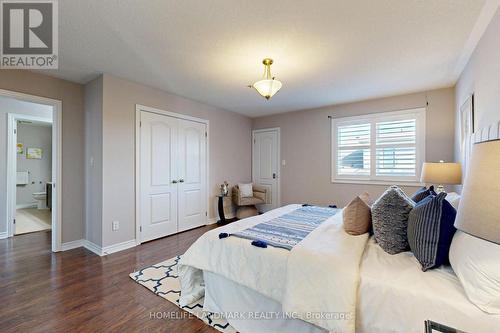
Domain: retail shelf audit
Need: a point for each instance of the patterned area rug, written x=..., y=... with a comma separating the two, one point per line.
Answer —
x=162, y=280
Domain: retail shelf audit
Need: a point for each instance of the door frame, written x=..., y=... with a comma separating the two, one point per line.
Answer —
x=56, y=162
x=142, y=108
x=278, y=171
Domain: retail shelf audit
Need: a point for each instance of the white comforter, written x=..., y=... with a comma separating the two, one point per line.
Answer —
x=317, y=281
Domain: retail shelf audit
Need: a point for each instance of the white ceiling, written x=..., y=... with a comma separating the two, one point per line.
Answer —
x=325, y=51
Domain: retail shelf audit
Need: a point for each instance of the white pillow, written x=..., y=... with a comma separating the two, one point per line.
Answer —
x=454, y=199
x=246, y=190
x=477, y=265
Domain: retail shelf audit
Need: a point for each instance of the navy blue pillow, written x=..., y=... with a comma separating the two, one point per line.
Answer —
x=430, y=230
x=423, y=193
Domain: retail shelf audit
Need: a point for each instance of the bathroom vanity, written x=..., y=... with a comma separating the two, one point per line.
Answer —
x=48, y=190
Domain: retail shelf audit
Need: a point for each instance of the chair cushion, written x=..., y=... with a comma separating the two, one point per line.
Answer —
x=246, y=190
x=390, y=220
x=251, y=201
x=430, y=230
x=357, y=215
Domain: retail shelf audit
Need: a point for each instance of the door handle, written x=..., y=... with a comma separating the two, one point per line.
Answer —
x=181, y=180
x=174, y=181
x=274, y=176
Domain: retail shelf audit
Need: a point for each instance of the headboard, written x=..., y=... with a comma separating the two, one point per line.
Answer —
x=478, y=213
x=491, y=132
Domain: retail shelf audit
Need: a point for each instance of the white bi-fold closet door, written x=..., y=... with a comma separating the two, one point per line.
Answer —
x=172, y=175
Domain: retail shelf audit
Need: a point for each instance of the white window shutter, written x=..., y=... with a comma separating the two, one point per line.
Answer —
x=386, y=146
x=353, y=153
x=396, y=153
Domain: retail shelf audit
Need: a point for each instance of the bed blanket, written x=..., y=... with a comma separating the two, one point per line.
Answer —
x=289, y=229
x=316, y=281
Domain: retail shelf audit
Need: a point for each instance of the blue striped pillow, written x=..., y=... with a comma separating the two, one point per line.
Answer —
x=430, y=230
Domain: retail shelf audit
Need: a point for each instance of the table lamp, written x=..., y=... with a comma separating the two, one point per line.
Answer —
x=441, y=174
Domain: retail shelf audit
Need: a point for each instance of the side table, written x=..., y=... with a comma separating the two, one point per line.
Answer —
x=220, y=206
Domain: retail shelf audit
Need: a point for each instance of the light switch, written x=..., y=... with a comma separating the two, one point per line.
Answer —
x=283, y=162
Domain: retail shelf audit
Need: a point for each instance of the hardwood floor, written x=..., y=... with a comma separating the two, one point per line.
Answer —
x=78, y=291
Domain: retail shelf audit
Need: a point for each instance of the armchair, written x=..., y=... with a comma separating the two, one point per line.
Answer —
x=246, y=205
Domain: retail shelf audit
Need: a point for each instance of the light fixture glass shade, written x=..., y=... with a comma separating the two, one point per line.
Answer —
x=442, y=173
x=268, y=87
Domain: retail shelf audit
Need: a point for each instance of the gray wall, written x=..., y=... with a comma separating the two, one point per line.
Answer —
x=481, y=76
x=40, y=171
x=93, y=161
x=229, y=149
x=71, y=95
x=306, y=146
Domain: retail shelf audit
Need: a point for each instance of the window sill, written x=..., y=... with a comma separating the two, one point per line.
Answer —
x=377, y=182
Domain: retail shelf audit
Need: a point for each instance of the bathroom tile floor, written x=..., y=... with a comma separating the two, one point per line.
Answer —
x=32, y=220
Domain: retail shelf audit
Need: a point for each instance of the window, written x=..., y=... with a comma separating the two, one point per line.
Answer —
x=384, y=147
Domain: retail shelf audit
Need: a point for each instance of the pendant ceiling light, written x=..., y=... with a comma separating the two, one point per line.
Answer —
x=269, y=85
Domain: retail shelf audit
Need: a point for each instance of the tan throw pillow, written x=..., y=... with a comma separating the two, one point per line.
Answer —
x=357, y=216
x=367, y=199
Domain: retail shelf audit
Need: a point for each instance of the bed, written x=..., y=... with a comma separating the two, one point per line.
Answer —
x=394, y=295
x=376, y=292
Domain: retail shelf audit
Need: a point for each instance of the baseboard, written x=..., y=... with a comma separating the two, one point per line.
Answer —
x=72, y=245
x=103, y=251
x=30, y=205
x=3, y=235
x=118, y=247
x=92, y=247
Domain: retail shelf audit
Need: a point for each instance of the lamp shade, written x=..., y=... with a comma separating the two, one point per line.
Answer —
x=268, y=87
x=442, y=173
x=479, y=210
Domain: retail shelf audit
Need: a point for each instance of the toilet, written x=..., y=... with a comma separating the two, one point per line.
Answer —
x=41, y=200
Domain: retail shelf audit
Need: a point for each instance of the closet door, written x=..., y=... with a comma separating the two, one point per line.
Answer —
x=192, y=164
x=158, y=175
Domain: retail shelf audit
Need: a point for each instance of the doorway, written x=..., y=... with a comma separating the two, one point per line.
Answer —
x=33, y=170
x=266, y=164
x=33, y=140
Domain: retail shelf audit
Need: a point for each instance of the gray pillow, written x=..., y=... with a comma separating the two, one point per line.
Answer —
x=390, y=215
